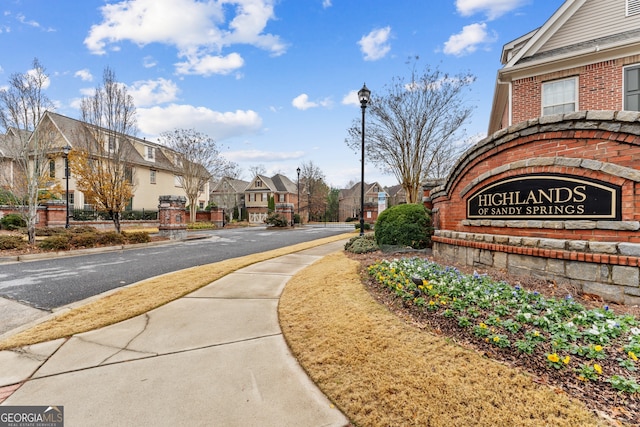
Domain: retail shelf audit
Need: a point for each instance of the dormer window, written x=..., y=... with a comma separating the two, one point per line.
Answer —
x=150, y=153
x=111, y=143
x=633, y=7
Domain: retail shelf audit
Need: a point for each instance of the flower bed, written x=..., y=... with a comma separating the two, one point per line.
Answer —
x=594, y=350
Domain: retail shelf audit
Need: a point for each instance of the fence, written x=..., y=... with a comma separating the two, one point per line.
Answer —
x=95, y=215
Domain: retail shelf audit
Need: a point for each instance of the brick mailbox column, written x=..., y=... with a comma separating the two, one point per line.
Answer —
x=286, y=210
x=171, y=216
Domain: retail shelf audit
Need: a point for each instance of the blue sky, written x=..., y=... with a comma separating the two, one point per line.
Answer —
x=273, y=81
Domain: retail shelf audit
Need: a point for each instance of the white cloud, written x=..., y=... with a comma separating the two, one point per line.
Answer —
x=492, y=8
x=220, y=126
x=375, y=44
x=207, y=65
x=149, y=62
x=301, y=102
x=468, y=39
x=84, y=74
x=197, y=29
x=23, y=20
x=351, y=98
x=326, y=3
x=152, y=92
x=262, y=156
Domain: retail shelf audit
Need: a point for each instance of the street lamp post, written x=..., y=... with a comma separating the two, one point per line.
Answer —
x=298, y=170
x=66, y=150
x=363, y=95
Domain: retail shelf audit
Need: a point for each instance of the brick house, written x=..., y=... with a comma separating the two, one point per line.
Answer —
x=349, y=202
x=228, y=194
x=153, y=168
x=585, y=57
x=261, y=189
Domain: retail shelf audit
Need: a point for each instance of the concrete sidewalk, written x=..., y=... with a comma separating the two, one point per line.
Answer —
x=215, y=357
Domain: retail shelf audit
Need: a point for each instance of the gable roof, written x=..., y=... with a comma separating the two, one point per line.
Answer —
x=579, y=33
x=237, y=185
x=74, y=133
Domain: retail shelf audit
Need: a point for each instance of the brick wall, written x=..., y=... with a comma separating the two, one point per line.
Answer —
x=601, y=145
x=599, y=88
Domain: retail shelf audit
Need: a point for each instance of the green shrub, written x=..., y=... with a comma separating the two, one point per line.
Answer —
x=83, y=229
x=12, y=242
x=111, y=238
x=366, y=226
x=137, y=236
x=12, y=222
x=59, y=242
x=361, y=244
x=201, y=225
x=276, y=220
x=50, y=231
x=84, y=240
x=404, y=225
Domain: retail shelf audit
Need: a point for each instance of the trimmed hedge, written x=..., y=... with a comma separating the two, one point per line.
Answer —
x=12, y=222
x=404, y=225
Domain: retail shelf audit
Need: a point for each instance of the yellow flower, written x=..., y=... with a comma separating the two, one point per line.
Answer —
x=496, y=339
x=483, y=326
x=597, y=348
x=536, y=334
x=432, y=303
x=424, y=282
x=633, y=356
x=597, y=368
x=553, y=358
x=566, y=360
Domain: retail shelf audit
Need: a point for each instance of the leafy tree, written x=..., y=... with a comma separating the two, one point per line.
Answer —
x=199, y=160
x=102, y=168
x=23, y=103
x=412, y=124
x=316, y=189
x=333, y=205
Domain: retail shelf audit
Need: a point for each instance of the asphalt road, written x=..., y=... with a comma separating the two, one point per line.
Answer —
x=52, y=283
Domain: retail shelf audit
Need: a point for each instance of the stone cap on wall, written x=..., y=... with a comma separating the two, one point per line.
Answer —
x=625, y=122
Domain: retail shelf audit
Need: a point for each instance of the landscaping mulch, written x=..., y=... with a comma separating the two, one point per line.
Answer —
x=616, y=408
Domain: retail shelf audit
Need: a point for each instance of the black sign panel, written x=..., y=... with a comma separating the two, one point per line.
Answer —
x=546, y=196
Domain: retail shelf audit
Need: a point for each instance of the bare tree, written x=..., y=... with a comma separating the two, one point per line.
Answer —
x=256, y=170
x=413, y=124
x=199, y=161
x=22, y=105
x=102, y=167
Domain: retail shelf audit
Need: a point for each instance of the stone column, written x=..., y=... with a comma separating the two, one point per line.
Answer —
x=286, y=210
x=171, y=217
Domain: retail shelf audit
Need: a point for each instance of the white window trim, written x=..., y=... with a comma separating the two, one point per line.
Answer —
x=576, y=100
x=632, y=7
x=624, y=82
x=152, y=157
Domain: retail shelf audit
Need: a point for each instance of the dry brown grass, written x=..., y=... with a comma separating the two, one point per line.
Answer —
x=381, y=371
x=137, y=299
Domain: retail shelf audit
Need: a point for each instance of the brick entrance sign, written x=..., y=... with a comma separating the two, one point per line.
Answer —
x=557, y=197
x=172, y=217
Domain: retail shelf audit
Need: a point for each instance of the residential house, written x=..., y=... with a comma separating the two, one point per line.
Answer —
x=154, y=169
x=397, y=195
x=228, y=194
x=349, y=202
x=585, y=57
x=261, y=189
